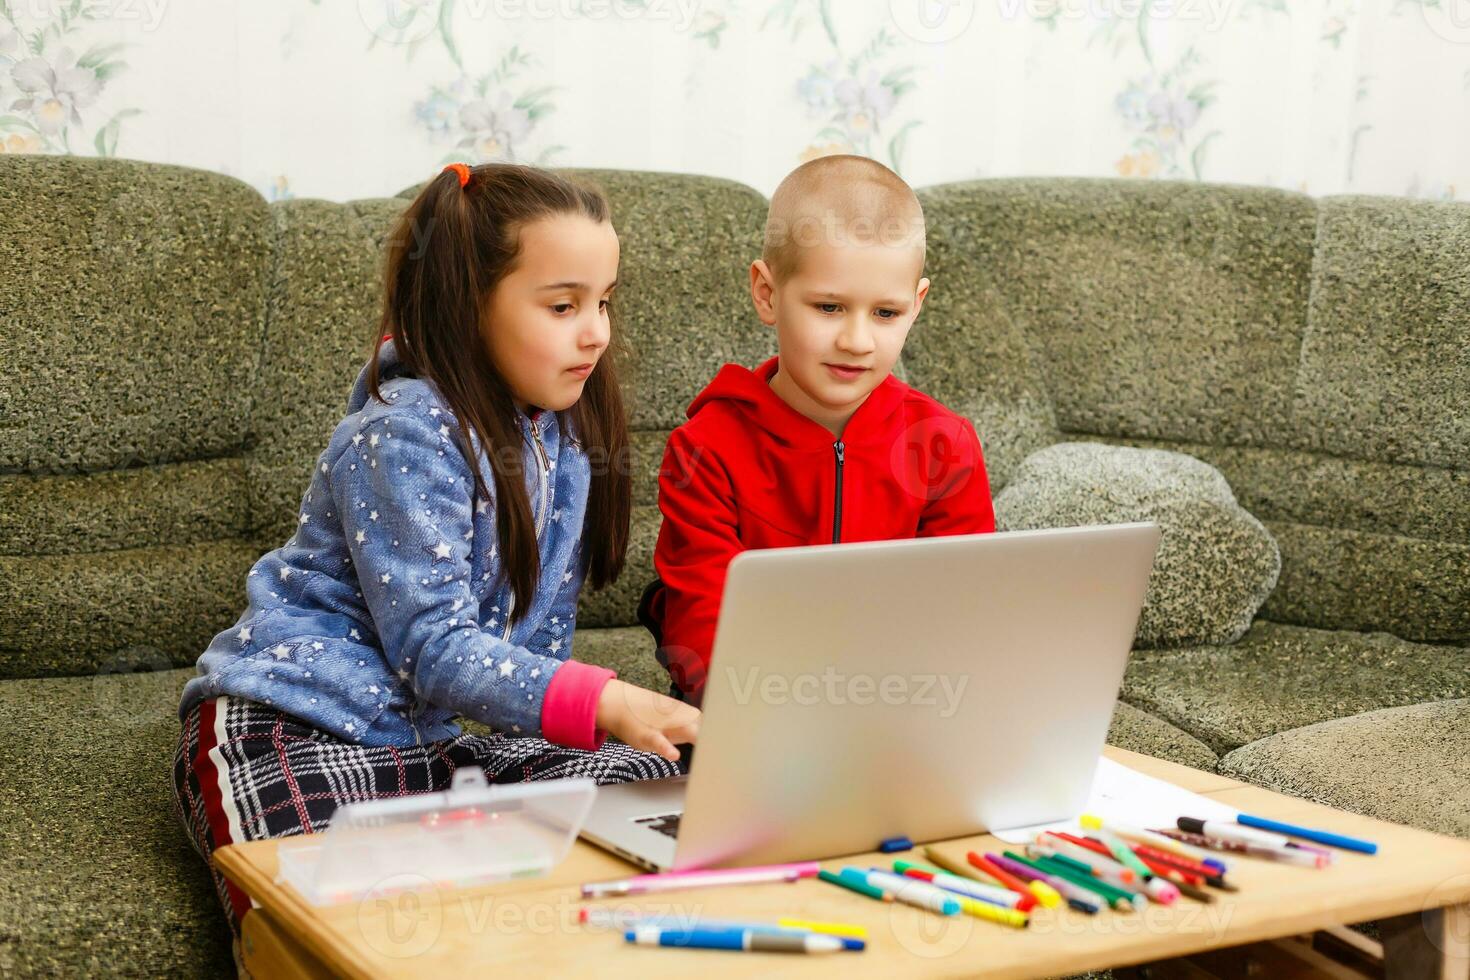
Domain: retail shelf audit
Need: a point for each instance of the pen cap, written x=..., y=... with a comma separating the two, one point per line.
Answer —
x=1191, y=825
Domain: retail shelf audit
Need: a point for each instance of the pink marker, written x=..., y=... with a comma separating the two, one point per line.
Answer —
x=703, y=878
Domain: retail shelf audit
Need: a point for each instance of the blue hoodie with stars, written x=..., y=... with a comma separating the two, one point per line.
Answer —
x=386, y=615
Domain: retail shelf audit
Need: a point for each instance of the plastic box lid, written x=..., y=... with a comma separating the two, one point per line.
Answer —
x=471, y=834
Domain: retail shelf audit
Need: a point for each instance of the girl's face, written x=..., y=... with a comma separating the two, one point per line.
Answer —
x=547, y=322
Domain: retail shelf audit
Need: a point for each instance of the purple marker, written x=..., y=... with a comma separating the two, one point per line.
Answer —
x=1078, y=898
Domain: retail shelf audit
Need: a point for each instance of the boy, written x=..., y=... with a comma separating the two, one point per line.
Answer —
x=820, y=444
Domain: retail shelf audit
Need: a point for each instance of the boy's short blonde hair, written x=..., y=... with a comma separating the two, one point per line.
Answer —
x=840, y=200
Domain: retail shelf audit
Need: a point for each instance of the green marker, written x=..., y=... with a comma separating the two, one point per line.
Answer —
x=856, y=885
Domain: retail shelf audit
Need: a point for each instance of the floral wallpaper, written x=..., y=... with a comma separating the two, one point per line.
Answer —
x=355, y=98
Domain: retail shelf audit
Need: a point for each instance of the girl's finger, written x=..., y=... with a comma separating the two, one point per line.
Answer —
x=657, y=743
x=686, y=732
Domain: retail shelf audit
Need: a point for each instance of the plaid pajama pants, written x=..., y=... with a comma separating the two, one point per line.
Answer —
x=244, y=771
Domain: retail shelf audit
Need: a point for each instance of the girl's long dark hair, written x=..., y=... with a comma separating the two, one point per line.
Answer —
x=448, y=252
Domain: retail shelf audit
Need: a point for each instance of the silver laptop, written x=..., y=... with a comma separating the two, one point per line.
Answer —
x=930, y=689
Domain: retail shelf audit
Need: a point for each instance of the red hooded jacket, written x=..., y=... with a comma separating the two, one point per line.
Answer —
x=749, y=471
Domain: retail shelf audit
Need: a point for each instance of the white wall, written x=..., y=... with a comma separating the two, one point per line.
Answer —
x=358, y=98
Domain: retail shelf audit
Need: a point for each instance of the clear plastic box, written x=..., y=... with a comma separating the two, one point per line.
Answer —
x=471, y=834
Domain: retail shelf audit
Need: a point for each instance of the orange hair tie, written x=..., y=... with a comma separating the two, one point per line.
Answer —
x=463, y=170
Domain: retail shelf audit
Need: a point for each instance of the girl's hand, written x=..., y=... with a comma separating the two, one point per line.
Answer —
x=645, y=719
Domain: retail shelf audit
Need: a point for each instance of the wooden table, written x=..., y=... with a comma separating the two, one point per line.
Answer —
x=1284, y=921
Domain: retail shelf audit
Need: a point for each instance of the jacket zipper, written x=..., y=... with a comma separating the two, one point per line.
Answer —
x=841, y=451
x=542, y=477
x=542, y=472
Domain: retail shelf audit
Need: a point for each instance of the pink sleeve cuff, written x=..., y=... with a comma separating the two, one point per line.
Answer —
x=569, y=710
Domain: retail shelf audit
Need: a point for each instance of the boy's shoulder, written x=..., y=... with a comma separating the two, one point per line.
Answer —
x=917, y=404
x=726, y=424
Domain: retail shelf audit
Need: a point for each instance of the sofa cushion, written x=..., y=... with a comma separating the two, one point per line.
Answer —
x=970, y=347
x=1383, y=368
x=1410, y=765
x=1282, y=677
x=78, y=614
x=134, y=300
x=1216, y=563
x=1370, y=546
x=134, y=307
x=1156, y=309
x=617, y=605
x=1139, y=731
x=325, y=301
x=100, y=878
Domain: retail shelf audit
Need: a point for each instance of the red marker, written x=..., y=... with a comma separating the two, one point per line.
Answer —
x=998, y=873
x=1161, y=868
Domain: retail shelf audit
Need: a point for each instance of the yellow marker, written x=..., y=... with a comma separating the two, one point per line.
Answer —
x=827, y=928
x=1045, y=894
x=995, y=913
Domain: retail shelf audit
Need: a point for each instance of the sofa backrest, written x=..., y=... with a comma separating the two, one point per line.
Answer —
x=1316, y=351
x=132, y=309
x=176, y=351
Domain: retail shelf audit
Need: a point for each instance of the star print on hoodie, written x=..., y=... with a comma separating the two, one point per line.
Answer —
x=387, y=615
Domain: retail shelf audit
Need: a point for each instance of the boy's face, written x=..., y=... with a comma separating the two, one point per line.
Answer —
x=841, y=318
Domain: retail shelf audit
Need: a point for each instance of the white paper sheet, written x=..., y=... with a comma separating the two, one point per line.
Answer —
x=1128, y=796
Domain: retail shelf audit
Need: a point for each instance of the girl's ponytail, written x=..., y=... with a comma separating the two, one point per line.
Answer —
x=448, y=251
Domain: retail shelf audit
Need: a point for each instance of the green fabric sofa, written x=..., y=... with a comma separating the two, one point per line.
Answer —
x=174, y=351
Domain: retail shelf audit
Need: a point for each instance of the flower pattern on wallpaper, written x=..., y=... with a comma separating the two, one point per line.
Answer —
x=1162, y=111
x=855, y=98
x=1162, y=107
x=52, y=78
x=491, y=116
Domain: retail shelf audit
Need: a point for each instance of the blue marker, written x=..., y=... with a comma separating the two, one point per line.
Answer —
x=1306, y=833
x=745, y=940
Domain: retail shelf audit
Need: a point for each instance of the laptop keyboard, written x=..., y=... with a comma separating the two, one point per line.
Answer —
x=667, y=823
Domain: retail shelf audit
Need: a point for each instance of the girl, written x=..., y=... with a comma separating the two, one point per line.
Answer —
x=417, y=589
